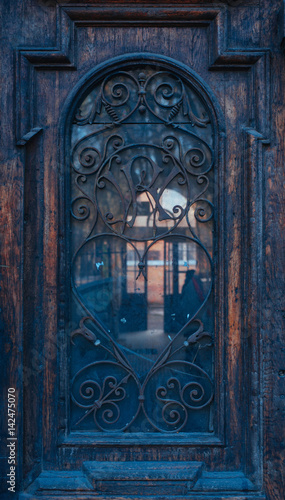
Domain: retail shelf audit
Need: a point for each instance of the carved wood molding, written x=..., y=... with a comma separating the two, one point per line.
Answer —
x=62, y=57
x=252, y=279
x=220, y=56
x=203, y=486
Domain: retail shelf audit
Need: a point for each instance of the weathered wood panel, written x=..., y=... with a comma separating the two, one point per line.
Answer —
x=228, y=46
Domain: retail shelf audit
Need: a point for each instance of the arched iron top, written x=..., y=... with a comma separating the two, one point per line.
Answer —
x=134, y=60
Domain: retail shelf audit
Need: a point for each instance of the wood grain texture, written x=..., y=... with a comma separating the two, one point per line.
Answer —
x=33, y=308
x=273, y=300
x=237, y=48
x=64, y=56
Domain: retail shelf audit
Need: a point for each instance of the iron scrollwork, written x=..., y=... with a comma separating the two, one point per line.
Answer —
x=142, y=184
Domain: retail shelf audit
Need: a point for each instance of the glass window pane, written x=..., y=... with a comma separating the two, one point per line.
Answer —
x=142, y=227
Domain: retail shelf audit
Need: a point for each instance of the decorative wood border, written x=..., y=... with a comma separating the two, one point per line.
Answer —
x=62, y=57
x=252, y=281
x=65, y=485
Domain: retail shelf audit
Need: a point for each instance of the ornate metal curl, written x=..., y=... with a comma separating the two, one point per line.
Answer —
x=111, y=171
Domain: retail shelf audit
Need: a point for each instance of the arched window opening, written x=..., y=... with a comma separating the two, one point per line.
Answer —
x=142, y=239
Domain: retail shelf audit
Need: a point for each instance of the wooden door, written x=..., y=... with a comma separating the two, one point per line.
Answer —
x=149, y=176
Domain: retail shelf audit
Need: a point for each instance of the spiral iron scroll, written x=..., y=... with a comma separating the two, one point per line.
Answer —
x=105, y=159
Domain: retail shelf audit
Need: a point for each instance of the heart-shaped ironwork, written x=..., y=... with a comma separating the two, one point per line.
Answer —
x=142, y=266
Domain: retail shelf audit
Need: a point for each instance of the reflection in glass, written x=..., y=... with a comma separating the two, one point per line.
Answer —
x=142, y=244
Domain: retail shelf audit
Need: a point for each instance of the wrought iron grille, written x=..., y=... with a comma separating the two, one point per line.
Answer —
x=142, y=188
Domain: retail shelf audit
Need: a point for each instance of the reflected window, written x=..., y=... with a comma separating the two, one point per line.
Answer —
x=142, y=228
